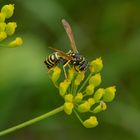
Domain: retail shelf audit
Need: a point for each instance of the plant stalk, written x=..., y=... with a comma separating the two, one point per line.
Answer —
x=27, y=123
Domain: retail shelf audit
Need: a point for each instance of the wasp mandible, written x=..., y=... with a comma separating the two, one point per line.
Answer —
x=72, y=57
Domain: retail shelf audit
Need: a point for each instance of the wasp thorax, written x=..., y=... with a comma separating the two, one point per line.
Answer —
x=79, y=62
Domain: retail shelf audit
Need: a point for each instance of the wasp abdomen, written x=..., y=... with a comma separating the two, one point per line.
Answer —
x=52, y=60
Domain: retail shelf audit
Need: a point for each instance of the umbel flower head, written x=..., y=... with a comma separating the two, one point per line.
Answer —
x=8, y=28
x=81, y=93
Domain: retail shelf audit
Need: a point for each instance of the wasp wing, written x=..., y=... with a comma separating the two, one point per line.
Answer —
x=70, y=34
x=62, y=54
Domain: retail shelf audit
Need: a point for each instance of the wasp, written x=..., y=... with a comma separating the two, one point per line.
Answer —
x=72, y=57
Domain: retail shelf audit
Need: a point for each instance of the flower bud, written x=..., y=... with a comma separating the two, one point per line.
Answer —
x=95, y=80
x=8, y=10
x=91, y=101
x=10, y=28
x=109, y=94
x=2, y=26
x=78, y=97
x=71, y=74
x=3, y=35
x=56, y=74
x=68, y=98
x=91, y=122
x=96, y=65
x=85, y=107
x=17, y=42
x=101, y=107
x=79, y=78
x=90, y=89
x=2, y=17
x=63, y=87
x=68, y=106
x=98, y=94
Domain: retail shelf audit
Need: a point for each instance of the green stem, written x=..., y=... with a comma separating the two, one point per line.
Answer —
x=83, y=85
x=27, y=123
x=78, y=116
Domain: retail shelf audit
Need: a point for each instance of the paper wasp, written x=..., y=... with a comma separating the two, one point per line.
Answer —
x=72, y=57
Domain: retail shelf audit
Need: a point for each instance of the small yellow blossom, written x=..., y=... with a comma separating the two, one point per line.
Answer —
x=71, y=72
x=91, y=101
x=2, y=26
x=68, y=106
x=17, y=42
x=95, y=80
x=8, y=10
x=68, y=98
x=2, y=17
x=90, y=89
x=101, y=107
x=91, y=122
x=79, y=78
x=98, y=94
x=78, y=97
x=3, y=35
x=63, y=87
x=10, y=28
x=56, y=74
x=85, y=107
x=109, y=94
x=96, y=65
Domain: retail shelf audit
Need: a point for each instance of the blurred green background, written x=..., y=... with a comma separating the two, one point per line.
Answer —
x=106, y=28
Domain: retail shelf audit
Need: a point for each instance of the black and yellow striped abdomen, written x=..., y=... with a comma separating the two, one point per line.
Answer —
x=52, y=60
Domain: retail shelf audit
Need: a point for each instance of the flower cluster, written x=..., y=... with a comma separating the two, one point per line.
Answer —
x=81, y=94
x=8, y=29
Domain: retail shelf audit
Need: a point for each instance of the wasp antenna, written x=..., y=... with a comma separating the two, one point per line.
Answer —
x=64, y=22
x=70, y=34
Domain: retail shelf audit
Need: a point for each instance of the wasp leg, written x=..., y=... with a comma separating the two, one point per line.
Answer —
x=49, y=71
x=65, y=69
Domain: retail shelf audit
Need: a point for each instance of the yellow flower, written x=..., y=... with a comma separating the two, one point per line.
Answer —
x=68, y=98
x=2, y=26
x=71, y=72
x=56, y=74
x=17, y=42
x=10, y=28
x=101, y=107
x=78, y=97
x=90, y=89
x=96, y=65
x=109, y=94
x=95, y=80
x=68, y=106
x=2, y=17
x=85, y=107
x=3, y=35
x=98, y=94
x=91, y=122
x=63, y=87
x=8, y=10
x=91, y=101
x=79, y=78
